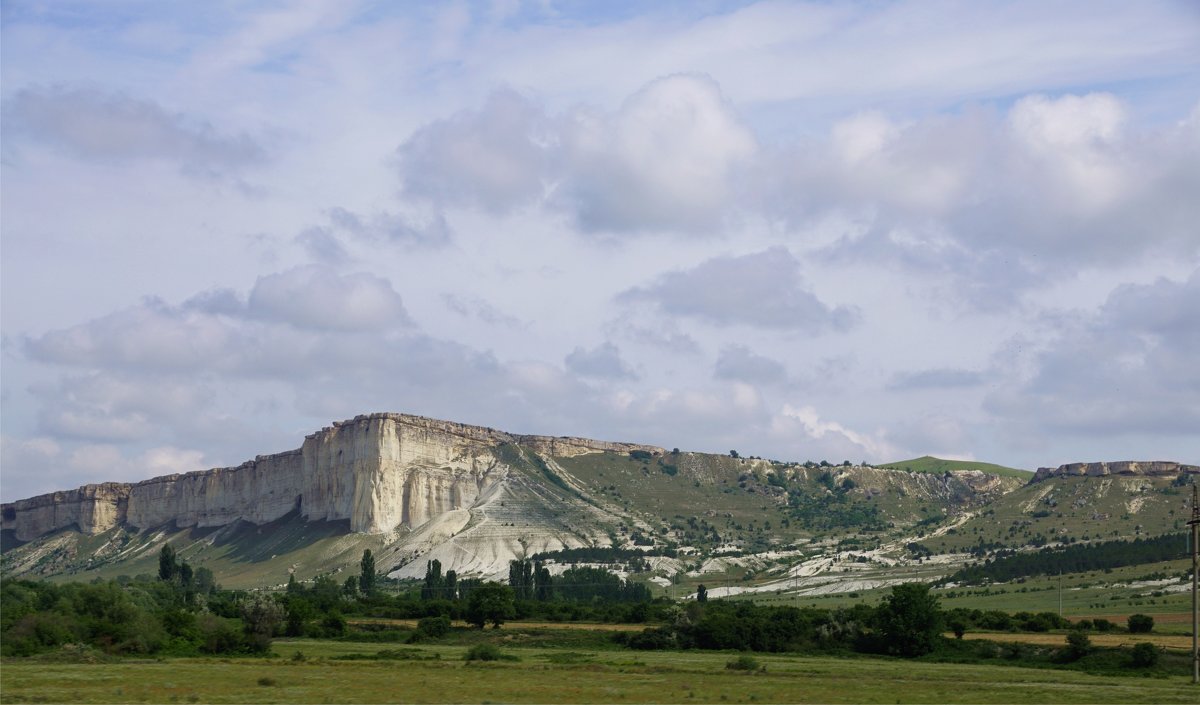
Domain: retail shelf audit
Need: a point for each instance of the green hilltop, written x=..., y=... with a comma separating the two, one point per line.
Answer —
x=928, y=463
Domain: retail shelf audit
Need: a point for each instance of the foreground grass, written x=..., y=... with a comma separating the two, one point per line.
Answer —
x=546, y=675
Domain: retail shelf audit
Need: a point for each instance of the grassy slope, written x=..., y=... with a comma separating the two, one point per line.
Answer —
x=546, y=675
x=928, y=463
x=240, y=556
x=1082, y=508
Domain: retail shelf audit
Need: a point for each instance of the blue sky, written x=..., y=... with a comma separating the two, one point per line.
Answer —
x=860, y=231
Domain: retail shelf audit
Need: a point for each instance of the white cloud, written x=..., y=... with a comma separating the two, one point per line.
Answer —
x=1128, y=369
x=314, y=297
x=667, y=159
x=763, y=289
x=811, y=434
x=93, y=124
x=601, y=362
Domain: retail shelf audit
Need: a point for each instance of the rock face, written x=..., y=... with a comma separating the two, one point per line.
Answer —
x=1151, y=468
x=379, y=471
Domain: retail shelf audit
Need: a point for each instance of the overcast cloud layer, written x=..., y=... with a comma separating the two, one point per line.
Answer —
x=801, y=230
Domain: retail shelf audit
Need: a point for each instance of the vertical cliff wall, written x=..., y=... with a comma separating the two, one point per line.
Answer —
x=378, y=471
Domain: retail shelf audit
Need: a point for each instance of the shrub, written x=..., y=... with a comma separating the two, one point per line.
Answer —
x=267, y=681
x=487, y=652
x=1078, y=644
x=744, y=662
x=1103, y=625
x=1141, y=624
x=1144, y=655
x=434, y=626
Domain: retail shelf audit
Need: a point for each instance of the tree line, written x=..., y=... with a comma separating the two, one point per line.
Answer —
x=1077, y=558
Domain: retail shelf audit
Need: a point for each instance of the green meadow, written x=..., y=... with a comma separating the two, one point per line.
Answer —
x=309, y=671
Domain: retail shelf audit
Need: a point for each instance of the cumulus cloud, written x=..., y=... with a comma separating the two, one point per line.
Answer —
x=601, y=362
x=1002, y=198
x=495, y=158
x=1129, y=368
x=764, y=290
x=738, y=362
x=105, y=126
x=314, y=297
x=151, y=336
x=665, y=160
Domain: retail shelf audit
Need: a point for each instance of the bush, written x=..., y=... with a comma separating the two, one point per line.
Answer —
x=487, y=652
x=743, y=663
x=1141, y=624
x=1103, y=625
x=434, y=626
x=1078, y=644
x=651, y=639
x=1144, y=655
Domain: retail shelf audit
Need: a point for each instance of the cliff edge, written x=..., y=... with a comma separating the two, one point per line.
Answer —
x=379, y=471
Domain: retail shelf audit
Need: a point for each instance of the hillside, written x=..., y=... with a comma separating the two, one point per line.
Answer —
x=413, y=489
x=928, y=463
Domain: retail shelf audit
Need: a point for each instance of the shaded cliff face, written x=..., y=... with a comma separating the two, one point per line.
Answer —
x=1152, y=468
x=378, y=471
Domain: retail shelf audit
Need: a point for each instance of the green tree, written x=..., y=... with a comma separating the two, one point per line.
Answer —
x=489, y=602
x=432, y=589
x=1078, y=644
x=366, y=579
x=261, y=616
x=1144, y=655
x=701, y=594
x=1140, y=624
x=910, y=620
x=205, y=581
x=168, y=568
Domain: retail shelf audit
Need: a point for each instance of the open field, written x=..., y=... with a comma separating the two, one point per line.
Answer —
x=554, y=675
x=524, y=625
x=1166, y=641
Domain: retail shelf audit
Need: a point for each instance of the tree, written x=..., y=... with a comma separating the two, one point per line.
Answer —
x=366, y=580
x=701, y=594
x=168, y=568
x=261, y=615
x=1140, y=624
x=489, y=602
x=910, y=620
x=733, y=454
x=432, y=589
x=205, y=581
x=1078, y=644
x=1145, y=655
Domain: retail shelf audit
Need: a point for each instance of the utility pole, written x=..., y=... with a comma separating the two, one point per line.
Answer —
x=1060, y=592
x=1194, y=525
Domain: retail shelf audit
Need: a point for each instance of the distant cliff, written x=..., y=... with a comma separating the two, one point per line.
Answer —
x=379, y=471
x=1151, y=468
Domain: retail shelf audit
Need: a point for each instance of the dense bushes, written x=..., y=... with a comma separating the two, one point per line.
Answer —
x=143, y=617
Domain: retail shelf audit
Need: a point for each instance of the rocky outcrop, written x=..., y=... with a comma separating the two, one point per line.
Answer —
x=378, y=471
x=1152, y=468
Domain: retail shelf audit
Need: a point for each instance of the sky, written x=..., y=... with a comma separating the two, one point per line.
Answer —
x=861, y=231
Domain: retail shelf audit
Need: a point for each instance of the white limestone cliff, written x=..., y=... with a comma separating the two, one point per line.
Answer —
x=378, y=471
